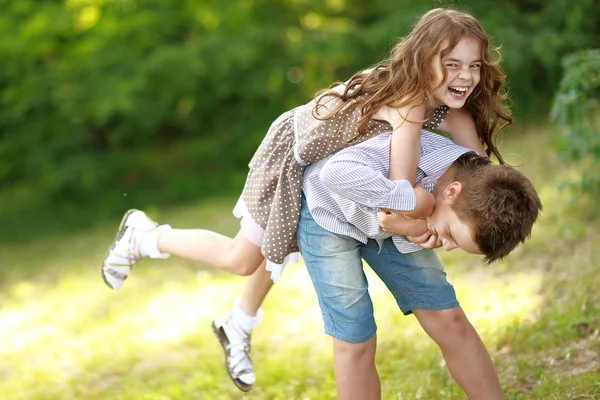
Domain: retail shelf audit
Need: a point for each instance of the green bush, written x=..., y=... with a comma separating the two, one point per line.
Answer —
x=576, y=109
x=165, y=100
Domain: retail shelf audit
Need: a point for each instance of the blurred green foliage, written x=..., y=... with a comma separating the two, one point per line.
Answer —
x=166, y=101
x=576, y=109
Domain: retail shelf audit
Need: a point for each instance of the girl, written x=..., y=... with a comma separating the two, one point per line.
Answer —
x=442, y=75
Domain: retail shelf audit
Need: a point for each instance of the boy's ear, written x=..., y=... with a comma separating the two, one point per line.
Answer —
x=452, y=191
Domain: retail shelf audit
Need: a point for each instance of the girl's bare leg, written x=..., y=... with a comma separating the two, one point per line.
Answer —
x=255, y=290
x=138, y=236
x=238, y=255
x=234, y=327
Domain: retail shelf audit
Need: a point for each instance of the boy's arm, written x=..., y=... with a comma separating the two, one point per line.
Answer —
x=459, y=124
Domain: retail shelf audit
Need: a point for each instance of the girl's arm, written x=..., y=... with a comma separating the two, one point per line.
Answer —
x=406, y=139
x=399, y=225
x=415, y=230
x=459, y=124
x=407, y=122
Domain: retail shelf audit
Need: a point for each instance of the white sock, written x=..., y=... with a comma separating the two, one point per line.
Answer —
x=243, y=320
x=149, y=243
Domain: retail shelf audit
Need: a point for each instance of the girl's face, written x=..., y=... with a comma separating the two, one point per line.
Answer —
x=463, y=66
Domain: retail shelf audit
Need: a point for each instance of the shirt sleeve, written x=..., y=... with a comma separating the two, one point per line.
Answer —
x=360, y=174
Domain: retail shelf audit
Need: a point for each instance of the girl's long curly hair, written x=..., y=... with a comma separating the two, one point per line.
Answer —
x=405, y=77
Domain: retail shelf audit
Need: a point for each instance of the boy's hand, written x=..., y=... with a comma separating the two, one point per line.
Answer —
x=398, y=224
x=427, y=240
x=425, y=202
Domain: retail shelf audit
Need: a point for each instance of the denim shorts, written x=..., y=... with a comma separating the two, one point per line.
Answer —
x=417, y=280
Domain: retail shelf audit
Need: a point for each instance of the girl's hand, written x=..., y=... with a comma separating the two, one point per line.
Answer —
x=427, y=240
x=400, y=225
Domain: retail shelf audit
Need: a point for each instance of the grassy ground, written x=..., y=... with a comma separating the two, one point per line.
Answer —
x=64, y=335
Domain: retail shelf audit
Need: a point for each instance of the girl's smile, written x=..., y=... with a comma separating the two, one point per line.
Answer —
x=463, y=69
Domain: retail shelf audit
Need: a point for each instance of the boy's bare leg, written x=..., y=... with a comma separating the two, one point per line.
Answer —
x=464, y=352
x=356, y=376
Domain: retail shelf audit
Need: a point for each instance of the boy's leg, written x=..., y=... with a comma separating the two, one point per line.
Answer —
x=356, y=375
x=234, y=327
x=419, y=285
x=334, y=265
x=138, y=237
x=464, y=352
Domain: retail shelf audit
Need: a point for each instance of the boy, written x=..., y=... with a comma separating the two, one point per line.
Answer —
x=480, y=207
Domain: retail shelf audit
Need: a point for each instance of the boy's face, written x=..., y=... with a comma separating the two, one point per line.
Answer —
x=452, y=233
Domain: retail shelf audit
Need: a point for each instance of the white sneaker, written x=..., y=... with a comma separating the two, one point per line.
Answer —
x=236, y=345
x=124, y=252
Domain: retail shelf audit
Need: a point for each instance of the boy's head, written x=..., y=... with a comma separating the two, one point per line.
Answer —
x=483, y=208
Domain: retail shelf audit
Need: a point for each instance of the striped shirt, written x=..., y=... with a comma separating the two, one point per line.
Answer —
x=345, y=190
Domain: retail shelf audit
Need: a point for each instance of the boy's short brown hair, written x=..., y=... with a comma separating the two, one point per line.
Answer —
x=497, y=202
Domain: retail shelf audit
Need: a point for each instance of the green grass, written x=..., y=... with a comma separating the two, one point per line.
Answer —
x=64, y=335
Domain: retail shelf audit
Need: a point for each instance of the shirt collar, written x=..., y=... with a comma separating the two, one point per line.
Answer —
x=435, y=163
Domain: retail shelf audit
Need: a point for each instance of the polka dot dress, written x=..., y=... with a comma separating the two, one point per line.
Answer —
x=273, y=188
x=436, y=119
